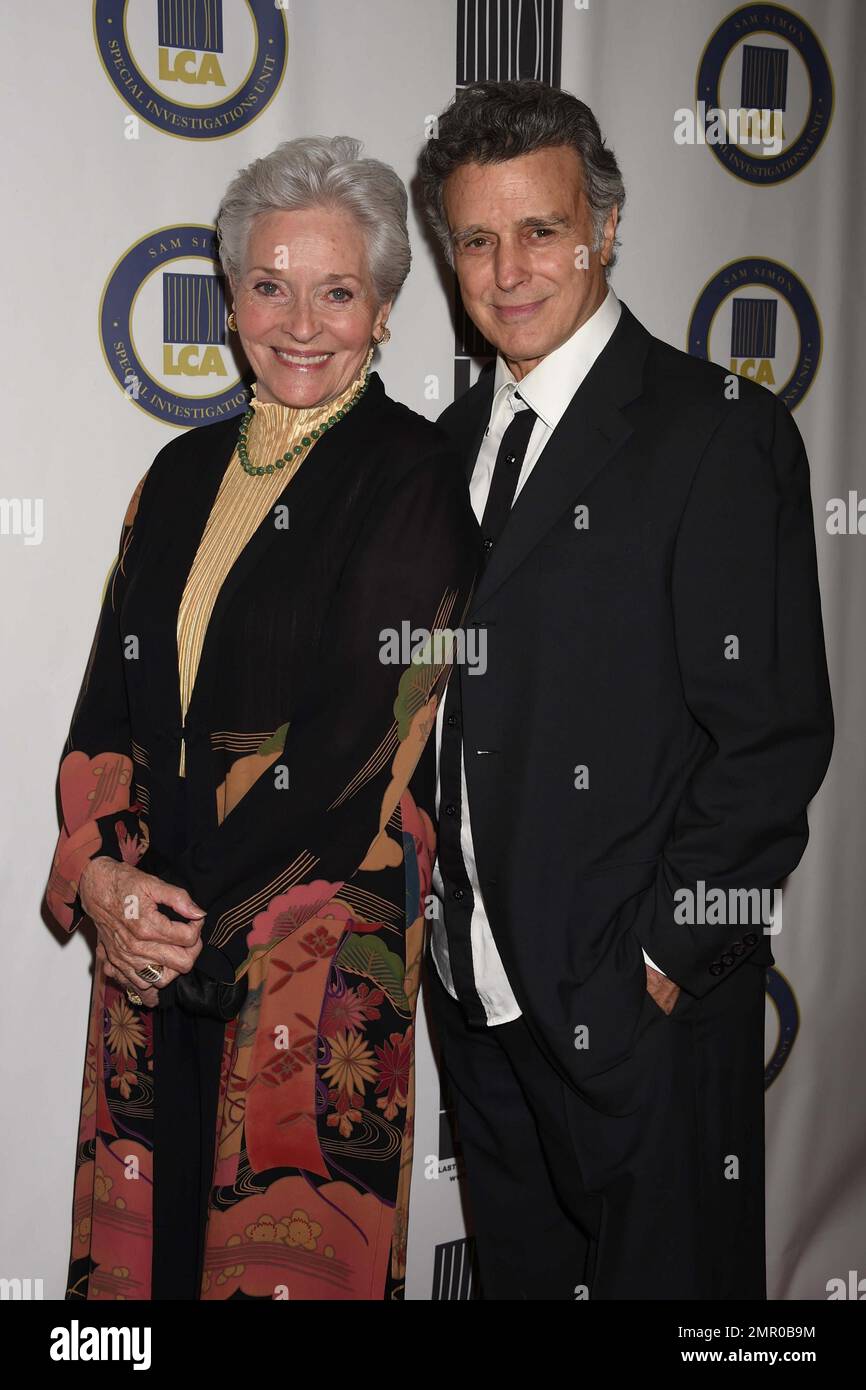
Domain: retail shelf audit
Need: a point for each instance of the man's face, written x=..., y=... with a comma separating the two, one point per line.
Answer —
x=521, y=233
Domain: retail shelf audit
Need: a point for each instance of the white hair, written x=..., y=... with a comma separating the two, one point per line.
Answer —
x=322, y=171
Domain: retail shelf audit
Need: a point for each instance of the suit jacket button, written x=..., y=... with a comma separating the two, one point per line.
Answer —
x=458, y=895
x=750, y=939
x=716, y=968
x=727, y=958
x=738, y=948
x=450, y=810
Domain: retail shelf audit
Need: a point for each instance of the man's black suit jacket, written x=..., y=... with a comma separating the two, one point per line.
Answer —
x=669, y=641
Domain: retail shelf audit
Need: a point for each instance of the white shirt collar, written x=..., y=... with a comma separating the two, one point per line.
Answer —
x=549, y=387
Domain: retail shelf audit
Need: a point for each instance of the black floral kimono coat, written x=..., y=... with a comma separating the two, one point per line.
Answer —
x=270, y=1156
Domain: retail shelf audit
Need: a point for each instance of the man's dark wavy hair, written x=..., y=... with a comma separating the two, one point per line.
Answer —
x=493, y=121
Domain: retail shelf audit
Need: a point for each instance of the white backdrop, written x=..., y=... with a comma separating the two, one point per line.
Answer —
x=105, y=147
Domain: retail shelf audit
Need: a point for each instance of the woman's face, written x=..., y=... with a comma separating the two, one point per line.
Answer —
x=305, y=305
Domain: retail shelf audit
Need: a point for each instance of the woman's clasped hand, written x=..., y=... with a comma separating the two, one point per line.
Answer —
x=124, y=905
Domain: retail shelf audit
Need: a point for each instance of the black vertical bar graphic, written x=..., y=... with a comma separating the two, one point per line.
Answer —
x=522, y=38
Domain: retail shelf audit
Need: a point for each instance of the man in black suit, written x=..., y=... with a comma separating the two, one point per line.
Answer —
x=625, y=784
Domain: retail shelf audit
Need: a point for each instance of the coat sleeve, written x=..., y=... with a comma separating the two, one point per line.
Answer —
x=95, y=782
x=750, y=644
x=327, y=805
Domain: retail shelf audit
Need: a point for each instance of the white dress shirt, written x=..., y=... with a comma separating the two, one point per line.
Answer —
x=548, y=389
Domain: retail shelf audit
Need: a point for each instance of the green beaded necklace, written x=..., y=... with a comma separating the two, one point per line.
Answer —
x=291, y=455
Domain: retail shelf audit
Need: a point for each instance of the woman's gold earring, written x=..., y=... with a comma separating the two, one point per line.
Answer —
x=385, y=338
x=232, y=322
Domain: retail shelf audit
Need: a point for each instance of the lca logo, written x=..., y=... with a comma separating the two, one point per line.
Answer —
x=162, y=325
x=198, y=71
x=764, y=58
x=756, y=317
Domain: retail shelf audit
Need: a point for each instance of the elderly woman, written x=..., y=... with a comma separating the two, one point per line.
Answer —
x=247, y=787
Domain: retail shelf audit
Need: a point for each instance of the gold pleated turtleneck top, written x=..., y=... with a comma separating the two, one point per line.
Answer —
x=240, y=505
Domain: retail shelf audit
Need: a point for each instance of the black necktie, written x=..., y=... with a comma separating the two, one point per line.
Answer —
x=458, y=891
x=506, y=471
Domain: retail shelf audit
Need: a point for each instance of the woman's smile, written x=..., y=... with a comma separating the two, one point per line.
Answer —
x=301, y=361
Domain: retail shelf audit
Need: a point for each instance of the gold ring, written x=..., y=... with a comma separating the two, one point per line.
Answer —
x=133, y=997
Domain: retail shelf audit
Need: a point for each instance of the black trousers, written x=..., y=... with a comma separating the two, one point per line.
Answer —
x=666, y=1202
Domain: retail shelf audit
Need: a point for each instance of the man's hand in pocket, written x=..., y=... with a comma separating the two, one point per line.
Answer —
x=664, y=991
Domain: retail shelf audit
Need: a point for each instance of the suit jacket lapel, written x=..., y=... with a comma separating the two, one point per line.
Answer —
x=469, y=417
x=592, y=430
